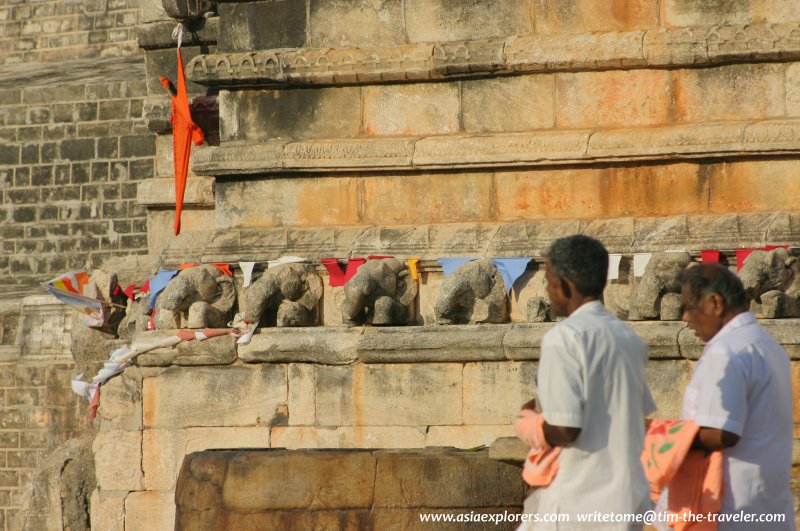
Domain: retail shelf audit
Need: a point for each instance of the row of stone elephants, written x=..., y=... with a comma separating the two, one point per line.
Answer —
x=384, y=291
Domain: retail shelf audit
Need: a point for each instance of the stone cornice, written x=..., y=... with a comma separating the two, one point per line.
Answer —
x=429, y=344
x=656, y=48
x=722, y=139
x=521, y=238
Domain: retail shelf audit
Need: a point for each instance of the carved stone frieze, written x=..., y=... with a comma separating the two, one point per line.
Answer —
x=503, y=149
x=655, y=48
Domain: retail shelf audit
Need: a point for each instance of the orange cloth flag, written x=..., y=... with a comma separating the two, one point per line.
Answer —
x=541, y=463
x=694, y=479
x=184, y=132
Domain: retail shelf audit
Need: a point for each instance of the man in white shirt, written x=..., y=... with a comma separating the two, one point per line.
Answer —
x=741, y=396
x=593, y=396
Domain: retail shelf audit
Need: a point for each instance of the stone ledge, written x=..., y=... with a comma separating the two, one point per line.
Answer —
x=535, y=148
x=429, y=344
x=161, y=192
x=523, y=238
x=159, y=34
x=656, y=48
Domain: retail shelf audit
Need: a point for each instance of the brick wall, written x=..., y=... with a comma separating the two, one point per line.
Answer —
x=49, y=31
x=38, y=412
x=70, y=160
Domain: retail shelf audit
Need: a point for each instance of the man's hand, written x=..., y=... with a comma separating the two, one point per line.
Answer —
x=711, y=439
x=560, y=435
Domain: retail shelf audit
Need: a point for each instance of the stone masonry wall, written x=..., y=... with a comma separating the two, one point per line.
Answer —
x=38, y=410
x=73, y=147
x=52, y=31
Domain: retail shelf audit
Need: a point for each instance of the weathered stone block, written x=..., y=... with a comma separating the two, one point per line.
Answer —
x=163, y=450
x=417, y=109
x=523, y=341
x=301, y=402
x=108, y=510
x=147, y=510
x=415, y=199
x=161, y=192
x=753, y=186
x=310, y=480
x=301, y=201
x=425, y=344
x=731, y=92
x=249, y=26
x=444, y=479
x=164, y=62
x=407, y=395
x=661, y=337
x=180, y=398
x=494, y=392
x=612, y=98
x=688, y=13
x=579, y=16
x=667, y=381
x=451, y=20
x=334, y=401
x=349, y=153
x=214, y=351
x=121, y=407
x=552, y=194
x=348, y=437
x=118, y=460
x=467, y=436
x=360, y=23
x=494, y=104
x=296, y=114
x=400, y=519
x=339, y=519
x=509, y=450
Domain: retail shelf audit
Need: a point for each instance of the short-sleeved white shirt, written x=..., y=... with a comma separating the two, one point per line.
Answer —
x=742, y=384
x=592, y=376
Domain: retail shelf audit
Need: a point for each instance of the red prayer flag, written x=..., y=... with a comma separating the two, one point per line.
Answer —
x=184, y=132
x=710, y=256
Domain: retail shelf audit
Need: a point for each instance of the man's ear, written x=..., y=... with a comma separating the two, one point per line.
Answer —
x=717, y=304
x=567, y=287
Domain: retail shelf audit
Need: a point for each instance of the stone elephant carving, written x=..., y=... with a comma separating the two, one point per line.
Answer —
x=474, y=293
x=285, y=295
x=771, y=282
x=199, y=297
x=382, y=292
x=657, y=296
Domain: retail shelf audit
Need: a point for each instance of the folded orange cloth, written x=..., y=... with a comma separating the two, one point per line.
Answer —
x=541, y=463
x=694, y=478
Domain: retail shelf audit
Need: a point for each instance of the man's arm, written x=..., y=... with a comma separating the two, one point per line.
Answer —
x=560, y=435
x=711, y=439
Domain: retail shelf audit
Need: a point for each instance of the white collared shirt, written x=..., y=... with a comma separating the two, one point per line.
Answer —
x=591, y=376
x=742, y=384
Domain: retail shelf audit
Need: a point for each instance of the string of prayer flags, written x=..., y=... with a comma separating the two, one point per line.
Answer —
x=337, y=276
x=742, y=254
x=511, y=269
x=68, y=288
x=710, y=257
x=223, y=268
x=640, y=261
x=614, y=261
x=159, y=282
x=449, y=265
x=247, y=271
